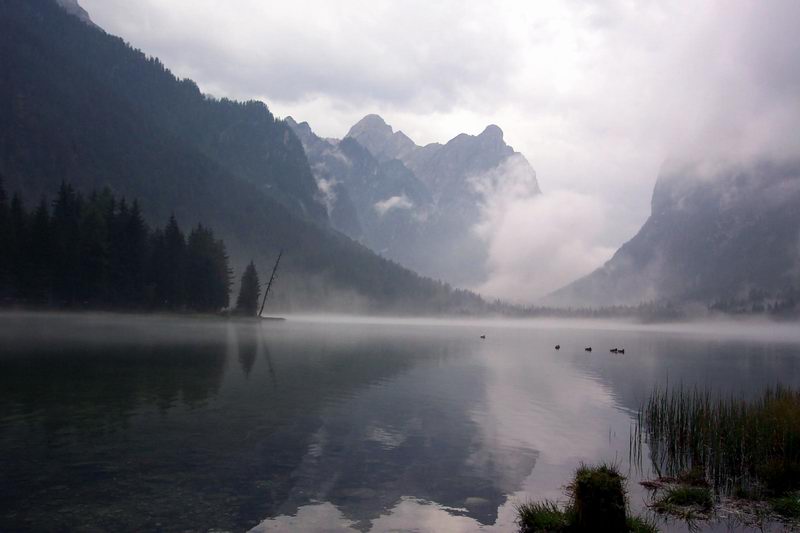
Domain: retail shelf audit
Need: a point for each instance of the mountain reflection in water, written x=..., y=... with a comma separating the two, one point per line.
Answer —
x=142, y=423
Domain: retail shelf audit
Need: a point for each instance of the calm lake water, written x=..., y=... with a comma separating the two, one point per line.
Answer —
x=127, y=423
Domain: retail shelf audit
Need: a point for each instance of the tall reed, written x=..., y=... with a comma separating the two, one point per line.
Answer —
x=736, y=444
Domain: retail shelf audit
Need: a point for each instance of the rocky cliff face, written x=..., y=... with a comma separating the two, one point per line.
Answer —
x=716, y=233
x=416, y=205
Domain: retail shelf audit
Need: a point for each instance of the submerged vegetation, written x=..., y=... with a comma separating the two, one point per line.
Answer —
x=743, y=450
x=597, y=502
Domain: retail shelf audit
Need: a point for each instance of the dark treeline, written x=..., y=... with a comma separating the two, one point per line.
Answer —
x=784, y=305
x=98, y=252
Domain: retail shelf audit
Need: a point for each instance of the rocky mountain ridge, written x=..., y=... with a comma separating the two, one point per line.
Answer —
x=718, y=233
x=414, y=204
x=74, y=8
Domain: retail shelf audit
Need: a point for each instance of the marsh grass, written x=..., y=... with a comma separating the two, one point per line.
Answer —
x=737, y=445
x=637, y=524
x=787, y=506
x=543, y=516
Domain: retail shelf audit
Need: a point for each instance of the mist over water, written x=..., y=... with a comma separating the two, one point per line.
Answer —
x=319, y=423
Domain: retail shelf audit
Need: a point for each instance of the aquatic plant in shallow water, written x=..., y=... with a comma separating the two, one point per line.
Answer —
x=597, y=502
x=737, y=444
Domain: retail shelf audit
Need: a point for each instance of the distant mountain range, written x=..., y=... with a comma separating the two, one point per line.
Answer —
x=417, y=205
x=721, y=234
x=82, y=106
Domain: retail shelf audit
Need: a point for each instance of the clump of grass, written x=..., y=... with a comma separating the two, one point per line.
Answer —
x=599, y=497
x=597, y=502
x=787, y=506
x=686, y=496
x=543, y=516
x=637, y=524
x=733, y=442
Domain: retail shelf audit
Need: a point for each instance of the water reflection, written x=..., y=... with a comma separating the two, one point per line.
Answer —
x=143, y=423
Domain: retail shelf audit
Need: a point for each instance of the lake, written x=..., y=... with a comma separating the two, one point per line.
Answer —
x=123, y=423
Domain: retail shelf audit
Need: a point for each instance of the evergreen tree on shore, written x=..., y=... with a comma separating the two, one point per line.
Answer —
x=98, y=252
x=5, y=251
x=207, y=275
x=169, y=265
x=249, y=292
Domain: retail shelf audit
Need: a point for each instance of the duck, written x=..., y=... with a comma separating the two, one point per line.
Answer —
x=483, y=336
x=588, y=349
x=614, y=350
x=621, y=350
x=558, y=346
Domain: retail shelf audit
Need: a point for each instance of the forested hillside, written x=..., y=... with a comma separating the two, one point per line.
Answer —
x=81, y=106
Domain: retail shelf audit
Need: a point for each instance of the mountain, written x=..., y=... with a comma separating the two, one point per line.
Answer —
x=717, y=233
x=417, y=205
x=374, y=134
x=82, y=106
x=378, y=202
x=75, y=9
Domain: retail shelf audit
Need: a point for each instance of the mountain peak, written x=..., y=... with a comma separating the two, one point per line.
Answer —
x=492, y=131
x=374, y=134
x=74, y=8
x=372, y=126
x=302, y=130
x=373, y=120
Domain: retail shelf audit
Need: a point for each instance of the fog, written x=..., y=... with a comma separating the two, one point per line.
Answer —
x=50, y=328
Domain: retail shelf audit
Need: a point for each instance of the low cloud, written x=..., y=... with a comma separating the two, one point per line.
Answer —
x=536, y=242
x=542, y=242
x=395, y=202
x=327, y=190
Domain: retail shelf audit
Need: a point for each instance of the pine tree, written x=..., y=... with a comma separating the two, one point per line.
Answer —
x=17, y=234
x=249, y=292
x=135, y=237
x=223, y=275
x=93, y=253
x=39, y=255
x=129, y=256
x=67, y=245
x=100, y=252
x=169, y=266
x=5, y=243
x=207, y=273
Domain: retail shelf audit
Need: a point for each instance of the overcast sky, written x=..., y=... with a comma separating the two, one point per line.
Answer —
x=594, y=94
